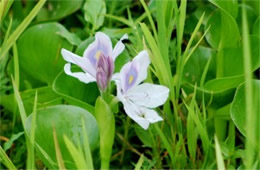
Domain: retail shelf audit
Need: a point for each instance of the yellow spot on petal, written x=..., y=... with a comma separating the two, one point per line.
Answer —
x=130, y=80
x=98, y=54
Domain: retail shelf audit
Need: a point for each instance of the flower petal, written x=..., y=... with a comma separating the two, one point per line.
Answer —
x=119, y=47
x=83, y=77
x=142, y=62
x=150, y=115
x=133, y=112
x=148, y=95
x=83, y=63
x=101, y=45
x=134, y=72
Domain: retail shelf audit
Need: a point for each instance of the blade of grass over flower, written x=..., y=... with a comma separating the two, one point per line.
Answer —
x=220, y=161
x=250, y=123
x=19, y=30
x=5, y=159
x=57, y=150
x=87, y=151
x=139, y=163
x=147, y=11
x=75, y=154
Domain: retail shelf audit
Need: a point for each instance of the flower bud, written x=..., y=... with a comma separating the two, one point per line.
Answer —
x=105, y=69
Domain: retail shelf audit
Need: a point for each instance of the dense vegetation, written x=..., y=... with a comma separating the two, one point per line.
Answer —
x=204, y=53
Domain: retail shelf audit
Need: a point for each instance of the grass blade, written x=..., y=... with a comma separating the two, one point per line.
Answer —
x=139, y=163
x=19, y=30
x=87, y=149
x=75, y=154
x=30, y=143
x=5, y=159
x=57, y=150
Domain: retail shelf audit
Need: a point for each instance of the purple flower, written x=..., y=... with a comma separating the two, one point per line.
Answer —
x=97, y=62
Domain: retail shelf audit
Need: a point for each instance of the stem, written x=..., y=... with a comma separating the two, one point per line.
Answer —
x=104, y=163
x=128, y=120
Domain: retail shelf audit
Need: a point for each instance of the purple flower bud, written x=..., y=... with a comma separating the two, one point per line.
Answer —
x=105, y=69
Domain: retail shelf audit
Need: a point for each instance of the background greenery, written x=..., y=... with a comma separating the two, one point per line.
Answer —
x=206, y=52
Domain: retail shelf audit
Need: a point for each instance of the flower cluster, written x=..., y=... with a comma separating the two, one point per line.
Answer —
x=139, y=99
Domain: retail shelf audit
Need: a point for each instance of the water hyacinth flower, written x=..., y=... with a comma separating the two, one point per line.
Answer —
x=97, y=62
x=139, y=100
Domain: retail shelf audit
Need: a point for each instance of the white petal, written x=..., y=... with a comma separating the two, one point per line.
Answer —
x=83, y=63
x=148, y=95
x=151, y=115
x=102, y=44
x=141, y=62
x=119, y=47
x=133, y=112
x=83, y=77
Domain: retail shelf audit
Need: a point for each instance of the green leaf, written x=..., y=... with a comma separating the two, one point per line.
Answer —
x=256, y=30
x=238, y=110
x=67, y=121
x=39, y=48
x=94, y=12
x=231, y=6
x=6, y=160
x=106, y=125
x=56, y=10
x=194, y=68
x=13, y=138
x=76, y=92
x=46, y=97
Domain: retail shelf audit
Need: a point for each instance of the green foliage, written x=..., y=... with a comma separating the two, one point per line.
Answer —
x=205, y=52
x=57, y=117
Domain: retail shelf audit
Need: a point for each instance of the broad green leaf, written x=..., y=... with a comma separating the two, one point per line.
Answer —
x=76, y=92
x=94, y=12
x=56, y=10
x=238, y=110
x=233, y=58
x=39, y=51
x=215, y=98
x=256, y=30
x=231, y=6
x=46, y=97
x=213, y=35
x=223, y=29
x=222, y=84
x=67, y=121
